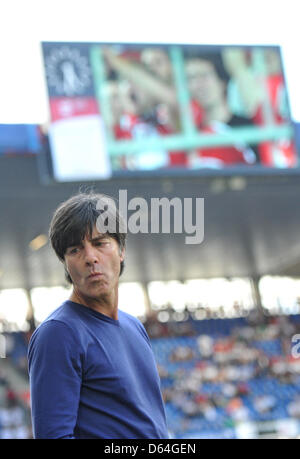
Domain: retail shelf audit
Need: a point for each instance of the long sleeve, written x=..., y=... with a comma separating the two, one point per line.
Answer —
x=55, y=370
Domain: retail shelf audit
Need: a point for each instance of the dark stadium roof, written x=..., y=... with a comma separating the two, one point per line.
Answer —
x=251, y=227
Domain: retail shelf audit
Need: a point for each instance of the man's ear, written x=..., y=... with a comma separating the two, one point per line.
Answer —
x=122, y=254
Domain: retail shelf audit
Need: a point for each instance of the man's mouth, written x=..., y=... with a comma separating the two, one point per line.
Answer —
x=95, y=275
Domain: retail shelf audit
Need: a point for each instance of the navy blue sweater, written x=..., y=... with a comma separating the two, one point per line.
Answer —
x=94, y=377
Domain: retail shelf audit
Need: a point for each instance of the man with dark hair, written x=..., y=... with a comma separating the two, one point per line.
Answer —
x=91, y=366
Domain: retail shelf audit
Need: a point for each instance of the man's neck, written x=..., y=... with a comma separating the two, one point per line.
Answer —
x=105, y=305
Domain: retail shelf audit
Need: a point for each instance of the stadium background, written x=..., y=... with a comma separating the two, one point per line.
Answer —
x=221, y=317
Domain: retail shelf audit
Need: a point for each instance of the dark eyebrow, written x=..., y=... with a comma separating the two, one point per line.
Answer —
x=100, y=237
x=73, y=245
x=95, y=239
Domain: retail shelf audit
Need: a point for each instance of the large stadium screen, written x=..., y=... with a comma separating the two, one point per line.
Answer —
x=133, y=109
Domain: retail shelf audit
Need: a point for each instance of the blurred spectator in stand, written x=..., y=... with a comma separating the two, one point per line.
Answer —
x=264, y=403
x=208, y=410
x=229, y=376
x=293, y=407
x=207, y=82
x=182, y=354
x=237, y=410
x=12, y=418
x=205, y=345
x=243, y=388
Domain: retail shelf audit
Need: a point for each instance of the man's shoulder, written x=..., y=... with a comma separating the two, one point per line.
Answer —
x=55, y=339
x=62, y=313
x=58, y=322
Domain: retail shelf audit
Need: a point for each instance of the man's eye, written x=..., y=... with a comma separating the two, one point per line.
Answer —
x=101, y=243
x=73, y=250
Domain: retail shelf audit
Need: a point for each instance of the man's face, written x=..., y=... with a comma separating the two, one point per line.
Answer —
x=94, y=265
x=204, y=84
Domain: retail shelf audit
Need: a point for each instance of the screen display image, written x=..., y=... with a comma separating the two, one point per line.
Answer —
x=134, y=108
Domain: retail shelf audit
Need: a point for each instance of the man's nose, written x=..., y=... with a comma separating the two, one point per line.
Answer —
x=91, y=255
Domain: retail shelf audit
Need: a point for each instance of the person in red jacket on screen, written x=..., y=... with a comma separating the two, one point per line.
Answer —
x=207, y=82
x=146, y=92
x=258, y=90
